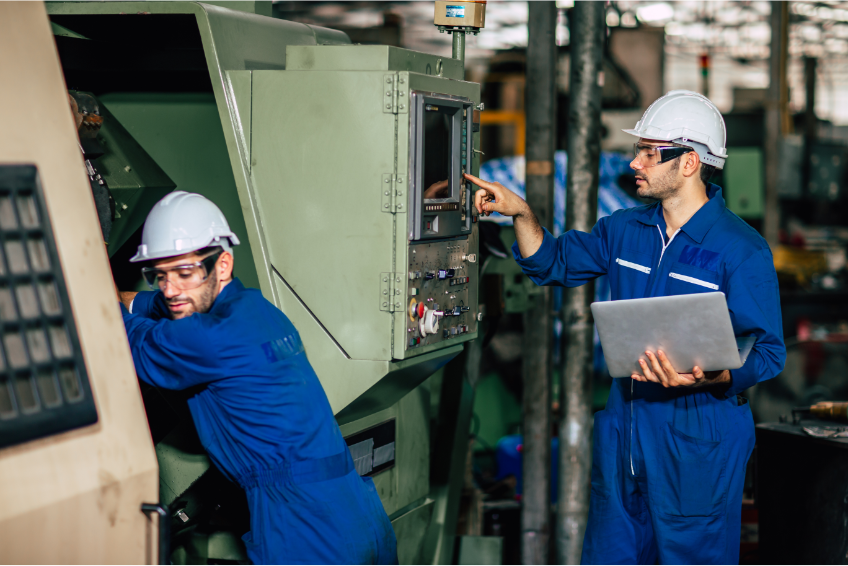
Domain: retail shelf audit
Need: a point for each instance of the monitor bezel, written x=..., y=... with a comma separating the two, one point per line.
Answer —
x=450, y=221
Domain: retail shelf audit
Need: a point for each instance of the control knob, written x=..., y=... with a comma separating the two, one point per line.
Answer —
x=429, y=323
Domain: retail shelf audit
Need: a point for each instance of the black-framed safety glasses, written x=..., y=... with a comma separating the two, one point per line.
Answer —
x=183, y=277
x=652, y=155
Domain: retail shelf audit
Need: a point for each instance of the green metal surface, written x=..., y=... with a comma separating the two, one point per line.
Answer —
x=497, y=412
x=408, y=528
x=371, y=58
x=480, y=550
x=518, y=288
x=743, y=177
x=182, y=460
x=135, y=179
x=183, y=134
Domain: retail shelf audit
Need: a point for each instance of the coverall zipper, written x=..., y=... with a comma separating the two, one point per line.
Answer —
x=662, y=253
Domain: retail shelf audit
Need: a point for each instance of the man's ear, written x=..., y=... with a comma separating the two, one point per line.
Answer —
x=690, y=164
x=224, y=266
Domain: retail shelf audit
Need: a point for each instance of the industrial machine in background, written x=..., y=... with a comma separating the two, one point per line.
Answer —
x=340, y=169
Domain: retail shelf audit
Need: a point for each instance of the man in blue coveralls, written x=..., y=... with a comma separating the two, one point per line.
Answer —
x=670, y=450
x=260, y=410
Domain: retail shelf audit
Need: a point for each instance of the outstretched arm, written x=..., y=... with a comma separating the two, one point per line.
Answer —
x=494, y=197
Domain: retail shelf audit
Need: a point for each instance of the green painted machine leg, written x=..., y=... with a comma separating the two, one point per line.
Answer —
x=450, y=448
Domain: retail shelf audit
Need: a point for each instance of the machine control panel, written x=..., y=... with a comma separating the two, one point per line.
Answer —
x=440, y=304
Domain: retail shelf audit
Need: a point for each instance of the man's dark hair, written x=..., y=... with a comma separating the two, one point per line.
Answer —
x=707, y=172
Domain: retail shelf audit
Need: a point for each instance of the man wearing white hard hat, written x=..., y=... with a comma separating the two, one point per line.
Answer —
x=670, y=450
x=259, y=408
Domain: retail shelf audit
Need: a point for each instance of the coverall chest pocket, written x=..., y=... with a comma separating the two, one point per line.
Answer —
x=687, y=279
x=633, y=269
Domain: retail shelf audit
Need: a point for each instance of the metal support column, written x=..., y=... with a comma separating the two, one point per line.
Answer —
x=459, y=45
x=810, y=120
x=584, y=152
x=537, y=368
x=776, y=117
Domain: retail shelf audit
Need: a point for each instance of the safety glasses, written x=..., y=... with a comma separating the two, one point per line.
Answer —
x=182, y=277
x=652, y=155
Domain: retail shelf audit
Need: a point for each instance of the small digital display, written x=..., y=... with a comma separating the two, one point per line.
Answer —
x=437, y=154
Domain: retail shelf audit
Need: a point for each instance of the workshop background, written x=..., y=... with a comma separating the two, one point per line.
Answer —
x=723, y=50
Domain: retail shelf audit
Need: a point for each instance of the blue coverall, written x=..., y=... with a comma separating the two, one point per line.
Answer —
x=265, y=421
x=669, y=463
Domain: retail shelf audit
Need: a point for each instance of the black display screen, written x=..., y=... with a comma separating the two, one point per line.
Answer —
x=437, y=152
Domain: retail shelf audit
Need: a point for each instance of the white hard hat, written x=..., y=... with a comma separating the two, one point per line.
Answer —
x=182, y=223
x=686, y=118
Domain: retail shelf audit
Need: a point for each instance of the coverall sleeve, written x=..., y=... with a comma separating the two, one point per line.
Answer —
x=573, y=259
x=150, y=304
x=173, y=354
x=753, y=298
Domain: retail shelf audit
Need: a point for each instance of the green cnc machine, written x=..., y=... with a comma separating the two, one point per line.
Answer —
x=339, y=167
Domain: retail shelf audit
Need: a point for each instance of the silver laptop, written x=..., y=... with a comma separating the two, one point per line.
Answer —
x=692, y=330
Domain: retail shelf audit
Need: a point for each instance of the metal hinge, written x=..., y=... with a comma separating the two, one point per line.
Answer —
x=395, y=94
x=391, y=292
x=391, y=191
x=390, y=94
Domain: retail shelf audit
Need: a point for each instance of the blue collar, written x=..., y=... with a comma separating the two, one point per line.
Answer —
x=233, y=287
x=700, y=223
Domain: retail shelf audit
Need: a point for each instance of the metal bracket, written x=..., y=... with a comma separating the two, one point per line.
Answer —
x=390, y=94
x=391, y=292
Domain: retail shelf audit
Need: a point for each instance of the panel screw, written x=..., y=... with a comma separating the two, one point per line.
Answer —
x=400, y=206
x=402, y=106
x=389, y=80
x=400, y=179
x=388, y=106
x=388, y=93
x=385, y=304
x=385, y=206
x=387, y=181
x=400, y=193
x=401, y=80
x=385, y=292
x=401, y=93
x=397, y=305
x=386, y=193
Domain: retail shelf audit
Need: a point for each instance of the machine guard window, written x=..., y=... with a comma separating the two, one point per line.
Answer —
x=44, y=386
